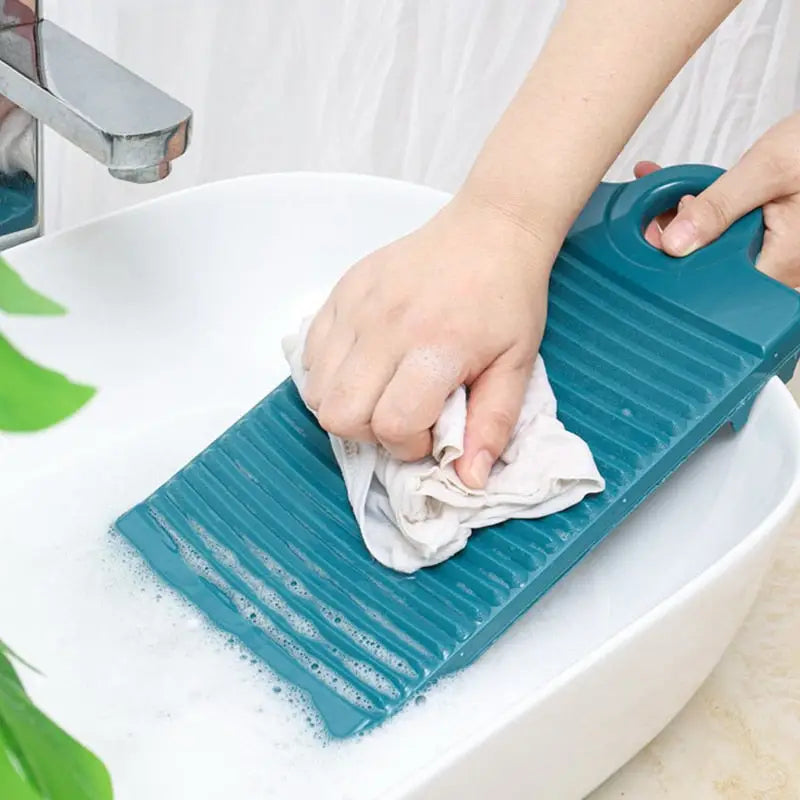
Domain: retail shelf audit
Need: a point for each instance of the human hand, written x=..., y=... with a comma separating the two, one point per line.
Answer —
x=767, y=175
x=462, y=300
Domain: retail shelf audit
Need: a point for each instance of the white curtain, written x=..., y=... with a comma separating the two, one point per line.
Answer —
x=404, y=88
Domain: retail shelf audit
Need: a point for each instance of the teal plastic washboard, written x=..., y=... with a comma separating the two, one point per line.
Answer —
x=648, y=356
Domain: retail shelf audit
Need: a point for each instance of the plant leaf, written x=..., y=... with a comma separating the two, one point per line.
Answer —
x=16, y=297
x=12, y=784
x=32, y=397
x=9, y=656
x=7, y=670
x=38, y=760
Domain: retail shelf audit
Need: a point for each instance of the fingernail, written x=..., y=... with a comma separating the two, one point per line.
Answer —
x=480, y=468
x=680, y=237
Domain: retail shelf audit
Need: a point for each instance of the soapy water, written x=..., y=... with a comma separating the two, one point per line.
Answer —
x=275, y=603
x=176, y=708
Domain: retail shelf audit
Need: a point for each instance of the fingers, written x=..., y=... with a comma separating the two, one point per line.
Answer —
x=776, y=259
x=643, y=168
x=371, y=395
x=780, y=252
x=323, y=369
x=413, y=400
x=371, y=400
x=495, y=401
x=766, y=176
x=700, y=220
x=318, y=333
x=347, y=407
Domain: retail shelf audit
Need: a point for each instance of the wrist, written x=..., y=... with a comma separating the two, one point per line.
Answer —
x=538, y=228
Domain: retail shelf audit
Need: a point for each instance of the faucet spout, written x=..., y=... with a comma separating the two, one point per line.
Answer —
x=124, y=122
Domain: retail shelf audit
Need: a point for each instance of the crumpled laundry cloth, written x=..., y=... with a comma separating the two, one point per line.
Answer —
x=415, y=515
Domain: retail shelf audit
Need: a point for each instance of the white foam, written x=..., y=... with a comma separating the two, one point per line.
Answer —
x=178, y=710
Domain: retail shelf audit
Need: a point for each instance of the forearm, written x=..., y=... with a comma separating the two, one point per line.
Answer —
x=604, y=65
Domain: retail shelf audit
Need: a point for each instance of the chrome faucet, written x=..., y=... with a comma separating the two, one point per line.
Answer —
x=125, y=123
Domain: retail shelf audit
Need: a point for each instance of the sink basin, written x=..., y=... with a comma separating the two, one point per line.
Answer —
x=176, y=312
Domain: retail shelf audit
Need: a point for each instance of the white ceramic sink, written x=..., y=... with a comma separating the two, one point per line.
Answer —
x=177, y=309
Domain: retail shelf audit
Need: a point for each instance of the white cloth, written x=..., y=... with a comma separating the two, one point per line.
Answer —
x=415, y=515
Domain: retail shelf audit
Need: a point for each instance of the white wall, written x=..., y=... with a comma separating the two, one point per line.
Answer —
x=406, y=88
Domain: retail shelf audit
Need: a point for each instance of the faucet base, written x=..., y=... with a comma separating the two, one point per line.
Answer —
x=142, y=174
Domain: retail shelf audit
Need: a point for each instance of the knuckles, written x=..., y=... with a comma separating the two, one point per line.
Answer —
x=390, y=428
x=341, y=419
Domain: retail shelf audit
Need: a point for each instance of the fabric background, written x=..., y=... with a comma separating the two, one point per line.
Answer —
x=404, y=88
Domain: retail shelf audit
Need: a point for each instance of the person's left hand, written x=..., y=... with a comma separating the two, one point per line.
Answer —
x=767, y=175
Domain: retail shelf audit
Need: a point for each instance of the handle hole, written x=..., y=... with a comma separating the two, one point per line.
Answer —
x=652, y=227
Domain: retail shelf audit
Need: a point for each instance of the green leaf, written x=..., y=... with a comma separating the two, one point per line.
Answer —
x=16, y=297
x=12, y=784
x=7, y=656
x=7, y=670
x=32, y=397
x=38, y=760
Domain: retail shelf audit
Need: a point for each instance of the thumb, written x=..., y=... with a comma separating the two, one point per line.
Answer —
x=702, y=219
x=495, y=400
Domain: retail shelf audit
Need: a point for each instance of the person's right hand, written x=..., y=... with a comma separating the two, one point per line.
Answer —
x=462, y=300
